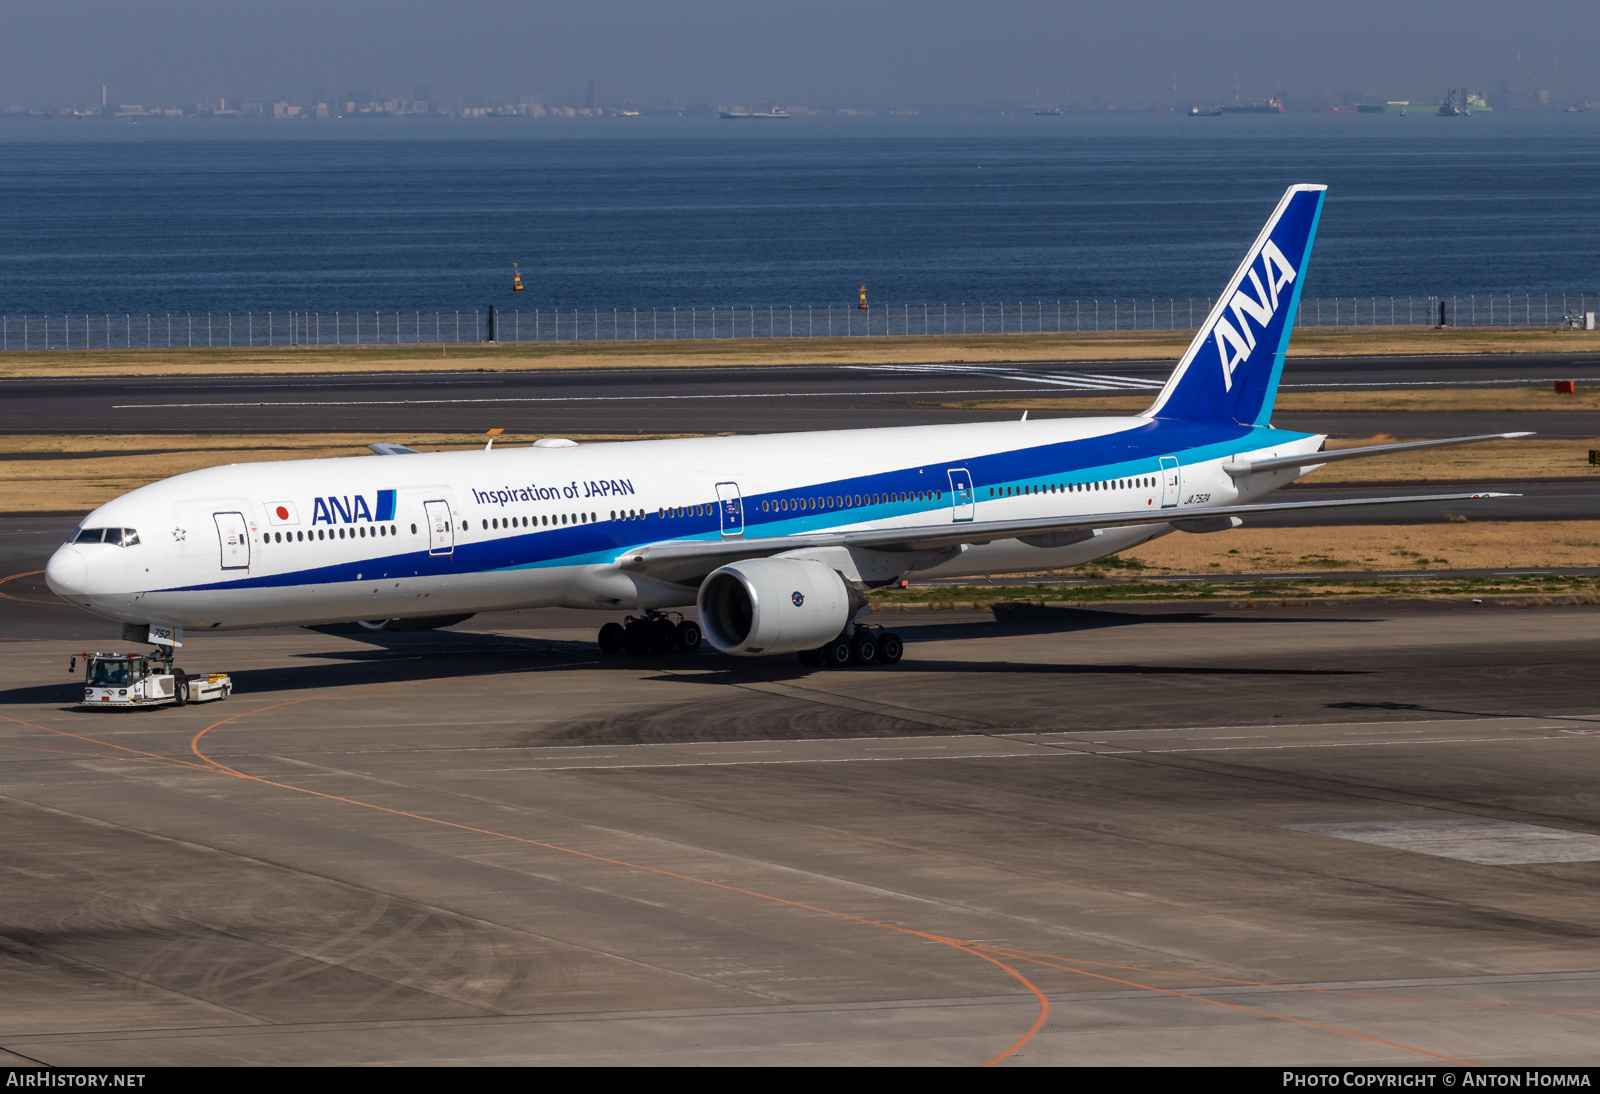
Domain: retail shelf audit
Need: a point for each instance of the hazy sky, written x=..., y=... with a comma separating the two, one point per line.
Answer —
x=818, y=52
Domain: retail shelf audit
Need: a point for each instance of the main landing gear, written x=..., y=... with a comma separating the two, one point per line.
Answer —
x=859, y=644
x=654, y=632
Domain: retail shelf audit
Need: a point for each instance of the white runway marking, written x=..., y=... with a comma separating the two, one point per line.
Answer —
x=1487, y=842
x=1088, y=381
x=574, y=399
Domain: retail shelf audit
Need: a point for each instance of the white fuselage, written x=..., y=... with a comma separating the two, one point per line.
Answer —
x=418, y=535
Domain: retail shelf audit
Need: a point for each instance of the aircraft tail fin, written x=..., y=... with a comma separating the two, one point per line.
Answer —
x=1230, y=371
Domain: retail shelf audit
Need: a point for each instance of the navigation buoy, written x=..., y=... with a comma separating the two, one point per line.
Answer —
x=863, y=305
x=516, y=278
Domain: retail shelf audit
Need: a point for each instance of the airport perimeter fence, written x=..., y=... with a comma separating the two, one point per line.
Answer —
x=523, y=325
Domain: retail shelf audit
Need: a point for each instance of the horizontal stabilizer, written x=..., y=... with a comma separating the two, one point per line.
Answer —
x=1315, y=459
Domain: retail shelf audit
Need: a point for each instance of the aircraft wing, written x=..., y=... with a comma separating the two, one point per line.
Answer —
x=933, y=537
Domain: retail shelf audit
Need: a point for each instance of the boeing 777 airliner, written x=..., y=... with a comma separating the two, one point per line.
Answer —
x=775, y=538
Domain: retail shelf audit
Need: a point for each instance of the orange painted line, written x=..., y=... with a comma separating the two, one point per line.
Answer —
x=953, y=943
x=100, y=756
x=1248, y=1010
x=1009, y=951
x=172, y=760
x=25, y=600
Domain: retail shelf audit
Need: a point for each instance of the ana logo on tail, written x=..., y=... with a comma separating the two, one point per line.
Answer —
x=1235, y=343
x=1247, y=330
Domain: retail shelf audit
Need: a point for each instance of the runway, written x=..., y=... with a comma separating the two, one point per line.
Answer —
x=733, y=399
x=1141, y=835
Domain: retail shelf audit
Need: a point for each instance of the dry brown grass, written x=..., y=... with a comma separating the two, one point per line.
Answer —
x=1122, y=345
x=99, y=468
x=1486, y=461
x=1377, y=547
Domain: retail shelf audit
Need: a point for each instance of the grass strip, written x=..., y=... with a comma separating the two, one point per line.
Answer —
x=493, y=357
x=1521, y=591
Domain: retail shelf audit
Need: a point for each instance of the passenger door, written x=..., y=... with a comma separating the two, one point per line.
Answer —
x=441, y=529
x=1171, y=481
x=963, y=505
x=732, y=508
x=233, y=536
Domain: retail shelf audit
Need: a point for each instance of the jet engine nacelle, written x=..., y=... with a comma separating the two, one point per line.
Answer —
x=766, y=606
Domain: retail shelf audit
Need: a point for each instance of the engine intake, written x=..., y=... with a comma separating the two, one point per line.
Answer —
x=766, y=606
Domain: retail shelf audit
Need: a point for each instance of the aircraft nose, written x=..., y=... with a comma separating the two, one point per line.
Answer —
x=67, y=573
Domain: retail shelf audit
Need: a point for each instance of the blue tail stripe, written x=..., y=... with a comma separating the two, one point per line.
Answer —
x=1270, y=396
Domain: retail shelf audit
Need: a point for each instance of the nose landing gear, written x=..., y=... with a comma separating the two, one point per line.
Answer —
x=654, y=632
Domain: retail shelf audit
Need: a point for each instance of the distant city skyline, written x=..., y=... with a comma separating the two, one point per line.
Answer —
x=182, y=54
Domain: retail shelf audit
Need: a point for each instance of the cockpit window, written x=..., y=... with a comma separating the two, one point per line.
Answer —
x=122, y=537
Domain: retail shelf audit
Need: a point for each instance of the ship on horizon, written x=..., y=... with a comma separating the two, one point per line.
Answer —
x=774, y=111
x=1273, y=105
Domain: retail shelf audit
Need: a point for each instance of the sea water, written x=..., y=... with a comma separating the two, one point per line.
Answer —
x=198, y=215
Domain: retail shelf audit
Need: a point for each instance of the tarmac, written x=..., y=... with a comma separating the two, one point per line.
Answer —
x=1139, y=835
x=751, y=399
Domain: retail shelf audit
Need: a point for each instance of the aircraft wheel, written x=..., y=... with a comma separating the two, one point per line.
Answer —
x=864, y=650
x=889, y=648
x=836, y=654
x=181, y=691
x=636, y=637
x=688, y=636
x=611, y=639
x=663, y=636
x=811, y=658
